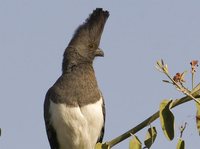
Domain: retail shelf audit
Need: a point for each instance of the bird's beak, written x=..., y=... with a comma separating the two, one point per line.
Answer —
x=99, y=52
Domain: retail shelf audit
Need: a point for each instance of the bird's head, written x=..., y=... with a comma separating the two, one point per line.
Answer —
x=84, y=46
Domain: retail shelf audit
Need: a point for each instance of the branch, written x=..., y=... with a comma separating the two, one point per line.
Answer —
x=195, y=94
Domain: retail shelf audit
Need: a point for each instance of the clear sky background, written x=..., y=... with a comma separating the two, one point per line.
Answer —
x=34, y=34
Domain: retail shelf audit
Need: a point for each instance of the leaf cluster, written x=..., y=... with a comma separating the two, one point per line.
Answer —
x=167, y=119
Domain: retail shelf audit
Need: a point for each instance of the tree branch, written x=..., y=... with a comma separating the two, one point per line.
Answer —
x=195, y=93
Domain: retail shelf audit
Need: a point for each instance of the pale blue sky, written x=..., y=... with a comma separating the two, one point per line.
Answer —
x=34, y=34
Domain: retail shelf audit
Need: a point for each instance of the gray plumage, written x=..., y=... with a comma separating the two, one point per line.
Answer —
x=70, y=104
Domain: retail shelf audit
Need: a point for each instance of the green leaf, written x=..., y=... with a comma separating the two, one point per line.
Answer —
x=198, y=117
x=102, y=146
x=98, y=146
x=135, y=143
x=180, y=144
x=167, y=119
x=150, y=137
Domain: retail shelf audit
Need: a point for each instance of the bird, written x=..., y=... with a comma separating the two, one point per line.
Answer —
x=74, y=107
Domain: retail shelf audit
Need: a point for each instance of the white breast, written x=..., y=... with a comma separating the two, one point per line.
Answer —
x=77, y=128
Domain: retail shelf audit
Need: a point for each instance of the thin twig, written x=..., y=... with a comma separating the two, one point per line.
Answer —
x=192, y=80
x=164, y=69
x=182, y=128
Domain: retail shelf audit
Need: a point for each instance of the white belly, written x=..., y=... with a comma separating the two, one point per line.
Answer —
x=77, y=128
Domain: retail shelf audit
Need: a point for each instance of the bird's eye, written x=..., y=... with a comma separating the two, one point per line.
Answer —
x=91, y=46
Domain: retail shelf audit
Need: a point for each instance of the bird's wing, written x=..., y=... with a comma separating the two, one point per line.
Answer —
x=51, y=133
x=100, y=139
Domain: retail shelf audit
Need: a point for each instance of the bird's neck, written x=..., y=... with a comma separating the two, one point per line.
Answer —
x=83, y=85
x=77, y=68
